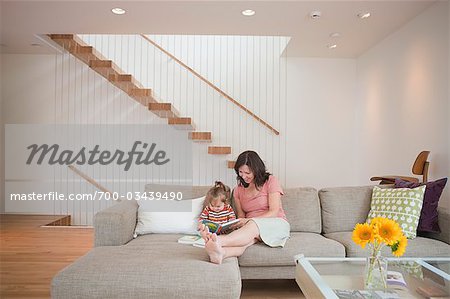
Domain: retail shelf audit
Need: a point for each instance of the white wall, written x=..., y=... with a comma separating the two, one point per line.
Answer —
x=321, y=124
x=403, y=99
x=2, y=152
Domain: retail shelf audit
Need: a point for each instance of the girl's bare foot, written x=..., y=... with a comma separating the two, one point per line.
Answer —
x=214, y=250
x=204, y=232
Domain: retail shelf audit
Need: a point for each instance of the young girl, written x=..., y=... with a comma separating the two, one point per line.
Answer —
x=216, y=206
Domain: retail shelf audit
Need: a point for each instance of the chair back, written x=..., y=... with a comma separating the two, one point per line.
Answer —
x=419, y=165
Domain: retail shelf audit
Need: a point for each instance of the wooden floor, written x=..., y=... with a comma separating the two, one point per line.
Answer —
x=30, y=255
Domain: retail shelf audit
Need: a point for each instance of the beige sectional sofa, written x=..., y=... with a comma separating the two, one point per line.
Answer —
x=156, y=266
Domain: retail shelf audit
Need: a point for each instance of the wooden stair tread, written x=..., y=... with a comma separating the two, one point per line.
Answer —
x=104, y=67
x=166, y=110
x=230, y=164
x=181, y=123
x=68, y=41
x=86, y=53
x=219, y=150
x=67, y=38
x=200, y=136
x=126, y=82
x=142, y=95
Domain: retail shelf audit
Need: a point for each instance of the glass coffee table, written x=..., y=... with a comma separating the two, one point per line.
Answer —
x=343, y=278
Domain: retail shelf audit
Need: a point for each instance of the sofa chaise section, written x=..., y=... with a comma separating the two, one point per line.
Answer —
x=157, y=269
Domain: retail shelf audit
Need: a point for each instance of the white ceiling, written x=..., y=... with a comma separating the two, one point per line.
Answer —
x=21, y=21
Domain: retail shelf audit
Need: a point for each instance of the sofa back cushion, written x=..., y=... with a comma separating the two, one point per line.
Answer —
x=302, y=209
x=344, y=207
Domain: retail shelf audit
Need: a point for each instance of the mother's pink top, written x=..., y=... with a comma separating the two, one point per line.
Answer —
x=254, y=206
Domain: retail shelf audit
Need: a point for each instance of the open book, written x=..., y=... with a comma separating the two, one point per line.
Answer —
x=189, y=239
x=199, y=243
x=217, y=228
x=196, y=241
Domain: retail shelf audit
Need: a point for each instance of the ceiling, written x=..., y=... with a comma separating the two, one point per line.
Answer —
x=23, y=21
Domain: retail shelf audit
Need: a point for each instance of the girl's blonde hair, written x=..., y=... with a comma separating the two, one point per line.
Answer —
x=219, y=189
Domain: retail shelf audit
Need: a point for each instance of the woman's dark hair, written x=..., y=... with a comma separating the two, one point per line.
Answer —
x=219, y=189
x=256, y=165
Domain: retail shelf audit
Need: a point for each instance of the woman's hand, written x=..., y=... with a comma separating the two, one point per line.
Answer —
x=241, y=223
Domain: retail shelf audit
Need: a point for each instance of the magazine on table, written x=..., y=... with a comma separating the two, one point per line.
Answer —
x=395, y=280
x=366, y=294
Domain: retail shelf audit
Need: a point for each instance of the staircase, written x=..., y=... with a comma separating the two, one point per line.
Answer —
x=134, y=89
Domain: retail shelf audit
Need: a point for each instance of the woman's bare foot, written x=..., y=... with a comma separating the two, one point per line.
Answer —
x=204, y=232
x=214, y=250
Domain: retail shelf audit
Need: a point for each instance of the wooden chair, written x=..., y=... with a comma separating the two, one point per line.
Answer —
x=420, y=167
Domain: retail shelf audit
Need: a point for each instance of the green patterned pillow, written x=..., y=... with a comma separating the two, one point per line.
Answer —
x=402, y=205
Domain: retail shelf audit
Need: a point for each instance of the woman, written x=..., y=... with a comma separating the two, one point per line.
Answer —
x=258, y=207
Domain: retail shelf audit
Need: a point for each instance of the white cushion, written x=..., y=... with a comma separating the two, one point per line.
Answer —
x=151, y=222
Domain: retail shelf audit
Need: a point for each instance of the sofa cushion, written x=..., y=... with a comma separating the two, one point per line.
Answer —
x=310, y=244
x=428, y=221
x=418, y=247
x=177, y=217
x=402, y=205
x=162, y=270
x=302, y=209
x=344, y=207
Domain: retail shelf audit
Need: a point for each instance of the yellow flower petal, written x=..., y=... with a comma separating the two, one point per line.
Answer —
x=362, y=234
x=399, y=248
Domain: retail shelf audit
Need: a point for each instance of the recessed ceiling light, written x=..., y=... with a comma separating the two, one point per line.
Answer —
x=315, y=14
x=334, y=46
x=118, y=11
x=248, y=12
x=335, y=34
x=363, y=15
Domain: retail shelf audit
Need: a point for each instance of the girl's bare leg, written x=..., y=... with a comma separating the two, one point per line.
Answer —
x=217, y=253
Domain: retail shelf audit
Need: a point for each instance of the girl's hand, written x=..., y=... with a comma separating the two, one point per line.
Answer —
x=241, y=223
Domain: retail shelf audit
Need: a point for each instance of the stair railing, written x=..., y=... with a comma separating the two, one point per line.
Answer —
x=223, y=93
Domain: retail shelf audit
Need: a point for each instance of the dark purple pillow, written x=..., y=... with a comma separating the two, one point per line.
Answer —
x=428, y=221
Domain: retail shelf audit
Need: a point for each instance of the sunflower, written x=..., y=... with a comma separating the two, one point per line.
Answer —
x=399, y=247
x=362, y=234
x=386, y=230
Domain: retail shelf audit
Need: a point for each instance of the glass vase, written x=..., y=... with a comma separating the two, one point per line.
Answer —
x=375, y=275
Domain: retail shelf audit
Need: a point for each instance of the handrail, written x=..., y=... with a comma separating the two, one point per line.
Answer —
x=89, y=179
x=212, y=85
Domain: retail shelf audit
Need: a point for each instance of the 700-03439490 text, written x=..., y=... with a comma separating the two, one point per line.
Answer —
x=97, y=195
